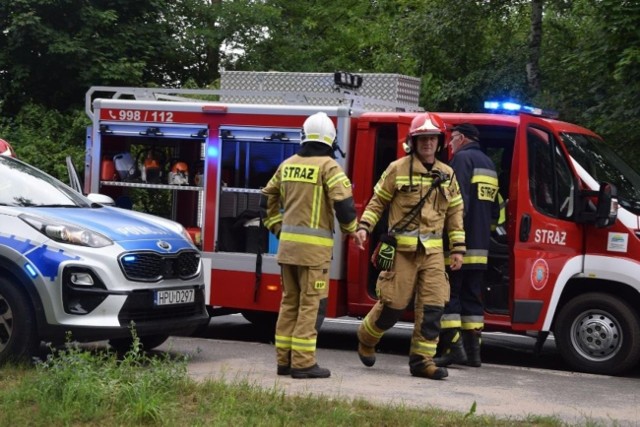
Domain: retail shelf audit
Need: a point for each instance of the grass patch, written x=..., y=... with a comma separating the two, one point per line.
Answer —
x=97, y=388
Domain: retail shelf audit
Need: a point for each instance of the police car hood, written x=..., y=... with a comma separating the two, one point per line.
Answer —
x=119, y=225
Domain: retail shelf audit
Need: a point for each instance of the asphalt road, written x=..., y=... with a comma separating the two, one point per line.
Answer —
x=512, y=382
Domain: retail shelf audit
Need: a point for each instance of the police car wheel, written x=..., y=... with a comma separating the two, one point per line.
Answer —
x=18, y=339
x=148, y=342
x=598, y=333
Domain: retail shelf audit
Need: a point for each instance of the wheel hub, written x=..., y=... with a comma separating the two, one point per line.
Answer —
x=597, y=335
x=6, y=323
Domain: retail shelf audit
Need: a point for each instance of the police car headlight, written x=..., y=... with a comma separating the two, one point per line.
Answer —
x=67, y=233
x=186, y=234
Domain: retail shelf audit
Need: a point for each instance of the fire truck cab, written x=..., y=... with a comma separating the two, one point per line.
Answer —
x=568, y=262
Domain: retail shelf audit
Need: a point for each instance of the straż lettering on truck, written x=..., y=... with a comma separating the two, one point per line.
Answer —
x=567, y=261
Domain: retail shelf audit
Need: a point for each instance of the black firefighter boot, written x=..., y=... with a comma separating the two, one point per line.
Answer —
x=314, y=371
x=452, y=348
x=471, y=340
x=425, y=368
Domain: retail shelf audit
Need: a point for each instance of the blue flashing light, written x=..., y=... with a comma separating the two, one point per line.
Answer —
x=129, y=258
x=514, y=107
x=511, y=106
x=212, y=152
x=31, y=270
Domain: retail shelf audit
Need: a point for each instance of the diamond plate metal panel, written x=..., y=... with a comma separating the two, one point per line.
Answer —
x=392, y=91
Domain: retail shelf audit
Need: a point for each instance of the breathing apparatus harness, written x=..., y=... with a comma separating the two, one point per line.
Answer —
x=385, y=252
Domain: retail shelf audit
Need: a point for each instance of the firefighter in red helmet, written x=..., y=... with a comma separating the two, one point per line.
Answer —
x=301, y=200
x=6, y=149
x=423, y=198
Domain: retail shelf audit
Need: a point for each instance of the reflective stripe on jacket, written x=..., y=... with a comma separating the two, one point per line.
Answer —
x=400, y=192
x=301, y=200
x=479, y=186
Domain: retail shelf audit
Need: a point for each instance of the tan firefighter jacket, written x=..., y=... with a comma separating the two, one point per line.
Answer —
x=442, y=209
x=301, y=198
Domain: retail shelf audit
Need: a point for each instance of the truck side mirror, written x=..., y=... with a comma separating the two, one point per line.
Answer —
x=607, y=205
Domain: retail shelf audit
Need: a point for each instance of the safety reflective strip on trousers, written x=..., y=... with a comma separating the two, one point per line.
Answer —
x=283, y=342
x=312, y=236
x=472, y=322
x=370, y=330
x=427, y=348
x=303, y=344
x=451, y=320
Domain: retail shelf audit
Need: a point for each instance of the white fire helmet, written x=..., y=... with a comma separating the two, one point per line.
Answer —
x=318, y=127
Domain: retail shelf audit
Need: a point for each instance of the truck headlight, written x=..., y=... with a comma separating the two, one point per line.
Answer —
x=66, y=233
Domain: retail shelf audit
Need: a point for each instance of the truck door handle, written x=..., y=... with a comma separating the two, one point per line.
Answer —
x=525, y=227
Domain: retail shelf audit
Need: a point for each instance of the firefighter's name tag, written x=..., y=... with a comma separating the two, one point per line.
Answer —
x=301, y=173
x=487, y=191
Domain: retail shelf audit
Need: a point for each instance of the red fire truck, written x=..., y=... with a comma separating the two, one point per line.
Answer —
x=568, y=262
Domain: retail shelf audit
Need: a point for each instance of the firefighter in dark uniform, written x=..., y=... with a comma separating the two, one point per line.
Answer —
x=463, y=318
x=422, y=196
x=302, y=197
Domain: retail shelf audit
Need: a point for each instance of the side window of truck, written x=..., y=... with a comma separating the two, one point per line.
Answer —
x=551, y=185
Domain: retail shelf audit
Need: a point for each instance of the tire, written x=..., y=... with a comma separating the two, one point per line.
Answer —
x=263, y=320
x=598, y=333
x=18, y=337
x=148, y=342
x=266, y=320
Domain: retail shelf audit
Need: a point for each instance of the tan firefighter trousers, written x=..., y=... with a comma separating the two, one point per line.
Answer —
x=302, y=290
x=413, y=272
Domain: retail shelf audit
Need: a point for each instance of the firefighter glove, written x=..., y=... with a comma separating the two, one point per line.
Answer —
x=385, y=253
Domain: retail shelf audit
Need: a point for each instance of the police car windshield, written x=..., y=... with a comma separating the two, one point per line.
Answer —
x=25, y=186
x=603, y=164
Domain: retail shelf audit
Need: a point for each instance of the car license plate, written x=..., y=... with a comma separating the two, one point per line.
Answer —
x=174, y=296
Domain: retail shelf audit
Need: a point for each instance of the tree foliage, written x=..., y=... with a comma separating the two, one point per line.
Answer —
x=53, y=51
x=586, y=63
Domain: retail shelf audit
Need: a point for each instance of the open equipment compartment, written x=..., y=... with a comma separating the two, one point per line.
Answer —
x=249, y=158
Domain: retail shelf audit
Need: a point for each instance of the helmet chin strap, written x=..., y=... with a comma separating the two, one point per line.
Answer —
x=337, y=148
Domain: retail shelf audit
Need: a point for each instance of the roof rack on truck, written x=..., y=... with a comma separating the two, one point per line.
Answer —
x=367, y=91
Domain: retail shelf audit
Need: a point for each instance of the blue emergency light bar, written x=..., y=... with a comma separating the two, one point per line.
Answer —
x=514, y=107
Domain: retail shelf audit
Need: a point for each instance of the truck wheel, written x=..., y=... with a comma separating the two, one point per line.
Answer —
x=264, y=320
x=18, y=337
x=598, y=333
x=148, y=342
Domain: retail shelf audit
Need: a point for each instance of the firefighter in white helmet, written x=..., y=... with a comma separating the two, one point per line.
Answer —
x=423, y=197
x=302, y=197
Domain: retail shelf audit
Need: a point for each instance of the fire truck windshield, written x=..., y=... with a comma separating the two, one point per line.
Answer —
x=603, y=164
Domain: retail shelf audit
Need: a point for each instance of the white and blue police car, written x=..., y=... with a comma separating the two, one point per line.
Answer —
x=70, y=265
